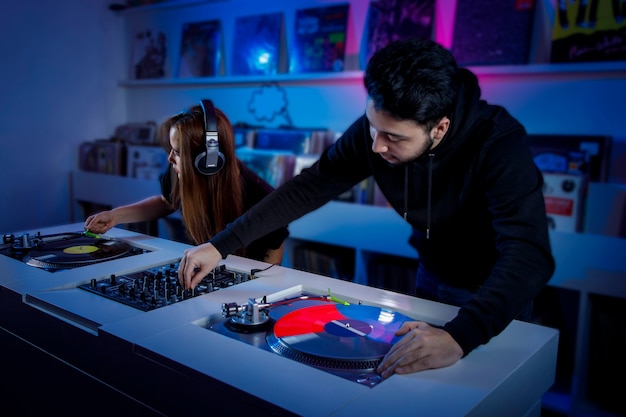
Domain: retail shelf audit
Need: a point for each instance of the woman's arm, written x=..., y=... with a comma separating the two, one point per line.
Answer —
x=151, y=208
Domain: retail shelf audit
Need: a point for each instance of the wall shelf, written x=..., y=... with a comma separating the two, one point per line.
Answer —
x=368, y=228
x=122, y=10
x=591, y=69
x=246, y=79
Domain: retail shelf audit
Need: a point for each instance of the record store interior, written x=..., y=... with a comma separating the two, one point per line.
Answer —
x=98, y=324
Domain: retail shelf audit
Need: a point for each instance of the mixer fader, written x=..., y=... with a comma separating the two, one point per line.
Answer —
x=158, y=287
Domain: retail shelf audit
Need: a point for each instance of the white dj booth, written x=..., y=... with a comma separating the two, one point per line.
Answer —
x=170, y=361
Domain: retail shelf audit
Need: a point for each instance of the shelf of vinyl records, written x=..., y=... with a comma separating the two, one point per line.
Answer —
x=233, y=56
x=347, y=240
x=348, y=236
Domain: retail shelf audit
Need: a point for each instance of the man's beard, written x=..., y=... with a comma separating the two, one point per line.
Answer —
x=428, y=144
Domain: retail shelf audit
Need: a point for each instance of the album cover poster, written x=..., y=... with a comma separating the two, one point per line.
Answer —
x=149, y=55
x=589, y=31
x=257, y=43
x=391, y=20
x=319, y=43
x=200, y=50
x=488, y=32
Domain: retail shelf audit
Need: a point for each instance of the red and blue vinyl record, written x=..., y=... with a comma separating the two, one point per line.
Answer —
x=335, y=335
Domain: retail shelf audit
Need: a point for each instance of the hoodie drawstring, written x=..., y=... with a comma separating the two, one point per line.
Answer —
x=431, y=157
x=406, y=191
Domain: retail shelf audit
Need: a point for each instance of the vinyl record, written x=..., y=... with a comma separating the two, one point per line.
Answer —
x=280, y=309
x=334, y=335
x=70, y=250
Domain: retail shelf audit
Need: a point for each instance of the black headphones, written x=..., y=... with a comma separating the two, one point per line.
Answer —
x=211, y=160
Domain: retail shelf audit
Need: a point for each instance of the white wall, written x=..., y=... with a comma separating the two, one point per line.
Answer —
x=62, y=61
x=58, y=88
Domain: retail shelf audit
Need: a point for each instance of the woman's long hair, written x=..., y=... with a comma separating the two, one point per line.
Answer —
x=208, y=202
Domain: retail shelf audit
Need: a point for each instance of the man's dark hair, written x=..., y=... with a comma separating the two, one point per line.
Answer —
x=413, y=79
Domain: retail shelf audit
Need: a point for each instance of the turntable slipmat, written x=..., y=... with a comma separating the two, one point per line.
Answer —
x=337, y=336
x=74, y=249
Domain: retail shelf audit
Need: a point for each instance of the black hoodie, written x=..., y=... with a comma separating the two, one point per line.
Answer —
x=474, y=202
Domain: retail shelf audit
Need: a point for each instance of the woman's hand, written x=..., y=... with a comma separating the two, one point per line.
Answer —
x=100, y=222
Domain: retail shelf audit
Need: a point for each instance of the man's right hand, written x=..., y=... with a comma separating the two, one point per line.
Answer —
x=196, y=263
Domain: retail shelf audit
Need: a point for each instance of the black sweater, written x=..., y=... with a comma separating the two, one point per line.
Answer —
x=485, y=218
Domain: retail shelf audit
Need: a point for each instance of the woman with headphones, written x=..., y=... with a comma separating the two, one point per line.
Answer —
x=204, y=180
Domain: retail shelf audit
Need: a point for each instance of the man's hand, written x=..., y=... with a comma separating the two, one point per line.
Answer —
x=422, y=347
x=196, y=263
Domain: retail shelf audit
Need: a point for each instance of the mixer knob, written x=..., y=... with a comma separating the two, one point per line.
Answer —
x=113, y=280
x=93, y=283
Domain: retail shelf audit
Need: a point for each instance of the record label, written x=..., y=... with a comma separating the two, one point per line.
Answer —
x=77, y=250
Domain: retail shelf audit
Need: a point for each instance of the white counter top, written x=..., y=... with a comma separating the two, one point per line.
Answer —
x=507, y=376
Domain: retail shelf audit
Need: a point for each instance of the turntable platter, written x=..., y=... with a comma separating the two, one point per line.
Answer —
x=337, y=336
x=71, y=250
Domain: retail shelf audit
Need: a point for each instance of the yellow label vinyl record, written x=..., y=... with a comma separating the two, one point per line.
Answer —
x=71, y=250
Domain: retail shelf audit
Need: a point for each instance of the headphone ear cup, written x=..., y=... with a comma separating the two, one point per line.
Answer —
x=201, y=167
x=212, y=160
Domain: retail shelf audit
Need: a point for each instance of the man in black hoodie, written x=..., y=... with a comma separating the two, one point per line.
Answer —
x=458, y=170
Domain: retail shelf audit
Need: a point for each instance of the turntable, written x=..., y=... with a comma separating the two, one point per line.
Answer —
x=346, y=340
x=61, y=251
